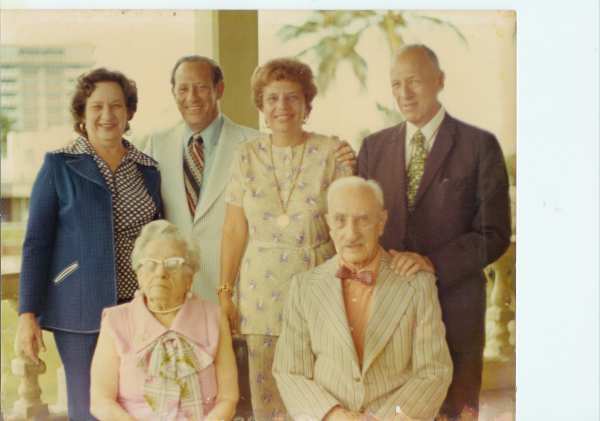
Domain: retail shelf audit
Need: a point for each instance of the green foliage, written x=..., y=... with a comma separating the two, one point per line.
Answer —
x=511, y=168
x=5, y=126
x=390, y=115
x=443, y=23
x=337, y=34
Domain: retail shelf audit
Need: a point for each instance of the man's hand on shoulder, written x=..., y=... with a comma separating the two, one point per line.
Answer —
x=344, y=154
x=408, y=263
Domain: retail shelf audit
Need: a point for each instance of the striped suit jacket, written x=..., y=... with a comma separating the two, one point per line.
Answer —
x=406, y=367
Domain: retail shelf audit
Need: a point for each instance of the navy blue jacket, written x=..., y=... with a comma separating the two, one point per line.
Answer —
x=68, y=272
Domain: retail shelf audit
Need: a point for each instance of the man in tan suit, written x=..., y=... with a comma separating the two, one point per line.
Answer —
x=197, y=85
x=358, y=340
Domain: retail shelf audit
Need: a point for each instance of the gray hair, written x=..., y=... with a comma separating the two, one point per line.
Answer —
x=162, y=229
x=217, y=72
x=355, y=181
x=422, y=47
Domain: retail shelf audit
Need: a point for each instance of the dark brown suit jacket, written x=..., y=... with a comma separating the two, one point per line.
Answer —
x=461, y=219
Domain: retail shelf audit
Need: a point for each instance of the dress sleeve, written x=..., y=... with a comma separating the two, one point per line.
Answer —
x=235, y=190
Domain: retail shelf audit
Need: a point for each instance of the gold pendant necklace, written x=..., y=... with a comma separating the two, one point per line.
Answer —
x=283, y=220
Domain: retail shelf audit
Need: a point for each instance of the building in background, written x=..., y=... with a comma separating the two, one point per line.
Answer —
x=36, y=85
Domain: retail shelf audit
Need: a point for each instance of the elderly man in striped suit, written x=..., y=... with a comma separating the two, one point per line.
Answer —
x=360, y=341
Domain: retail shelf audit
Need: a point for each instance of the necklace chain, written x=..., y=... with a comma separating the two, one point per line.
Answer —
x=284, y=205
x=169, y=310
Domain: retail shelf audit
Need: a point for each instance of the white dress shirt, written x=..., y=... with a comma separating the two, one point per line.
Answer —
x=429, y=130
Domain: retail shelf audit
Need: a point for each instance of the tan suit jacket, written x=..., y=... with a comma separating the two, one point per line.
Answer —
x=406, y=369
x=206, y=226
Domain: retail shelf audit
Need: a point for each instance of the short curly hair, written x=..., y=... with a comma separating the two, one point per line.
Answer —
x=288, y=69
x=86, y=83
x=163, y=229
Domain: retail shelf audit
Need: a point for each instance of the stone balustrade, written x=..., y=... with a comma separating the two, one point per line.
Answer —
x=29, y=405
x=499, y=352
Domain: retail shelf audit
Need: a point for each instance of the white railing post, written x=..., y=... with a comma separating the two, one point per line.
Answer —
x=29, y=404
x=500, y=312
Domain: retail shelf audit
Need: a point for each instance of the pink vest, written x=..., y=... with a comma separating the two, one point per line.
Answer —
x=133, y=328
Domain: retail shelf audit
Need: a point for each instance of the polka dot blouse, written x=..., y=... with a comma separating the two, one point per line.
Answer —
x=132, y=206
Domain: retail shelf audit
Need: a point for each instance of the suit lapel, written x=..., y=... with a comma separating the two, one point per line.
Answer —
x=152, y=182
x=85, y=167
x=442, y=146
x=215, y=182
x=331, y=298
x=170, y=157
x=398, y=169
x=392, y=296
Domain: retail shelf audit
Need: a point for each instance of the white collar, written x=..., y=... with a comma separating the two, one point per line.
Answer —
x=428, y=129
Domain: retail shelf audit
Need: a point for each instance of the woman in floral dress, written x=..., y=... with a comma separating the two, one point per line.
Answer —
x=275, y=219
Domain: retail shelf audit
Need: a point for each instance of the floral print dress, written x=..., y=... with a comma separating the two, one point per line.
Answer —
x=275, y=253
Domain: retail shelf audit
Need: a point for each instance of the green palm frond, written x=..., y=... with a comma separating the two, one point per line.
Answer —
x=331, y=51
x=443, y=23
x=340, y=32
x=359, y=66
x=390, y=115
x=288, y=32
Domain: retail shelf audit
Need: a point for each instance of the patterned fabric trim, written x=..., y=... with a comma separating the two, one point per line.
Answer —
x=82, y=146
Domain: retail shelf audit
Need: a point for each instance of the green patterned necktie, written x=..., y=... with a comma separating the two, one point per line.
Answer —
x=416, y=167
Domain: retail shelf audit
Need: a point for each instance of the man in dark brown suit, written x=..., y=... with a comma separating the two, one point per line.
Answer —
x=446, y=186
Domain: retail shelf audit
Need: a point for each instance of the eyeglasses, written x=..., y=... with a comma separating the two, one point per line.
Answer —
x=170, y=264
x=361, y=222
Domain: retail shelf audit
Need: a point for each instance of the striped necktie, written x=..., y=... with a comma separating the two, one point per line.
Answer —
x=416, y=167
x=193, y=167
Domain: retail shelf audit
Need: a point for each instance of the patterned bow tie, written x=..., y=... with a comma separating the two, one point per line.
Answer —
x=367, y=277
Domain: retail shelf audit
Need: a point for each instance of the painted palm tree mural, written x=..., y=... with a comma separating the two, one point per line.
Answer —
x=337, y=36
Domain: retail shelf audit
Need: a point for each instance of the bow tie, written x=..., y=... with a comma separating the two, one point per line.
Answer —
x=367, y=277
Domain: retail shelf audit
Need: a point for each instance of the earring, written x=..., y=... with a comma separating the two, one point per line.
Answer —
x=82, y=127
x=138, y=293
x=189, y=294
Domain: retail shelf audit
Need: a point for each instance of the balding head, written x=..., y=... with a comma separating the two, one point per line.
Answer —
x=416, y=81
x=418, y=49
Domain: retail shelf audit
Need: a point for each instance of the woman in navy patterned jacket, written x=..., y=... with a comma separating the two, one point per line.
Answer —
x=88, y=205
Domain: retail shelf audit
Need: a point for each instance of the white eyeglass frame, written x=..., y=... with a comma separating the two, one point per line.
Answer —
x=177, y=261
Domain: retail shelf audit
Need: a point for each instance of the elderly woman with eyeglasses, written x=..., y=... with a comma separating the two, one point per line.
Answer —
x=166, y=355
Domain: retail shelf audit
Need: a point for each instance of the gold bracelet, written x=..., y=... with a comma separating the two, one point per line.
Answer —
x=224, y=288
